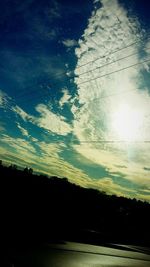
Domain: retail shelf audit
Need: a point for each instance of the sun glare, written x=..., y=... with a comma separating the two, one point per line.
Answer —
x=127, y=123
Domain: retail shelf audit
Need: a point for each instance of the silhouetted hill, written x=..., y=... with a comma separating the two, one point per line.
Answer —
x=36, y=208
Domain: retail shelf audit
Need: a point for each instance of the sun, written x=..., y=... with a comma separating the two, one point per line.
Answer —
x=127, y=123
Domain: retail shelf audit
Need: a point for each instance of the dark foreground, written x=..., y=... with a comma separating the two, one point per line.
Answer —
x=68, y=254
x=37, y=210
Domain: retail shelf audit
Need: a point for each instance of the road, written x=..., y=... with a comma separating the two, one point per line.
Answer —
x=68, y=254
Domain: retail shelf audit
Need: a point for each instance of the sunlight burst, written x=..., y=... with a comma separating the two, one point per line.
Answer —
x=127, y=123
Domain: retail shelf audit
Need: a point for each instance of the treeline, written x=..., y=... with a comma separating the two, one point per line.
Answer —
x=36, y=208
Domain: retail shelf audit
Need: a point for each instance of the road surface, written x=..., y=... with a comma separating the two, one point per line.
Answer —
x=68, y=254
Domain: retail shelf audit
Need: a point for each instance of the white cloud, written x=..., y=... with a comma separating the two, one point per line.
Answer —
x=65, y=98
x=23, y=130
x=110, y=29
x=70, y=43
x=46, y=119
x=19, y=148
x=146, y=65
x=46, y=158
x=51, y=121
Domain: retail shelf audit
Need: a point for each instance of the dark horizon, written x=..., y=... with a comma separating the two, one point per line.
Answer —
x=42, y=209
x=34, y=172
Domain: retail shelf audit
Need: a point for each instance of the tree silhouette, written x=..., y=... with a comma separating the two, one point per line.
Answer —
x=37, y=207
x=28, y=170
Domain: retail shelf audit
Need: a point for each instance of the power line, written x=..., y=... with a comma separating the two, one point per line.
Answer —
x=115, y=51
x=73, y=76
x=61, y=74
x=97, y=67
x=148, y=60
x=114, y=141
x=119, y=93
x=98, y=77
x=109, y=63
x=101, y=141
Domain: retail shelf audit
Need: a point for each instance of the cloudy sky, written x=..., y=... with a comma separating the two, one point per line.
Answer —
x=75, y=91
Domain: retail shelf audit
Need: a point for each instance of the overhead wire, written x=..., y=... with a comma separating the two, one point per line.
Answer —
x=74, y=76
x=102, y=141
x=98, y=77
x=63, y=74
x=147, y=60
x=113, y=52
x=109, y=63
x=92, y=61
x=113, y=72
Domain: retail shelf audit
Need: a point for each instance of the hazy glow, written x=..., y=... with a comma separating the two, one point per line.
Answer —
x=127, y=123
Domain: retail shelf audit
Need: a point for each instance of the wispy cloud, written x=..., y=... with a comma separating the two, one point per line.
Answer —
x=23, y=130
x=19, y=111
x=46, y=158
x=51, y=121
x=54, y=11
x=4, y=99
x=69, y=43
x=65, y=98
x=47, y=119
x=2, y=128
x=18, y=147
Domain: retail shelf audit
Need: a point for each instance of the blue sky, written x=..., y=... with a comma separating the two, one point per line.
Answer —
x=75, y=91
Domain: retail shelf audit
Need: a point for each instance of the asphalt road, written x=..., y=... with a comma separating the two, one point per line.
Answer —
x=69, y=254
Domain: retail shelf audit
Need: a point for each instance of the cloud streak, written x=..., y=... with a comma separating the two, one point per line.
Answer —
x=69, y=43
x=65, y=98
x=23, y=130
x=51, y=122
x=47, y=119
x=4, y=100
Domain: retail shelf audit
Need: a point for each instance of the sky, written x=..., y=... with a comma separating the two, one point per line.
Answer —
x=75, y=91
